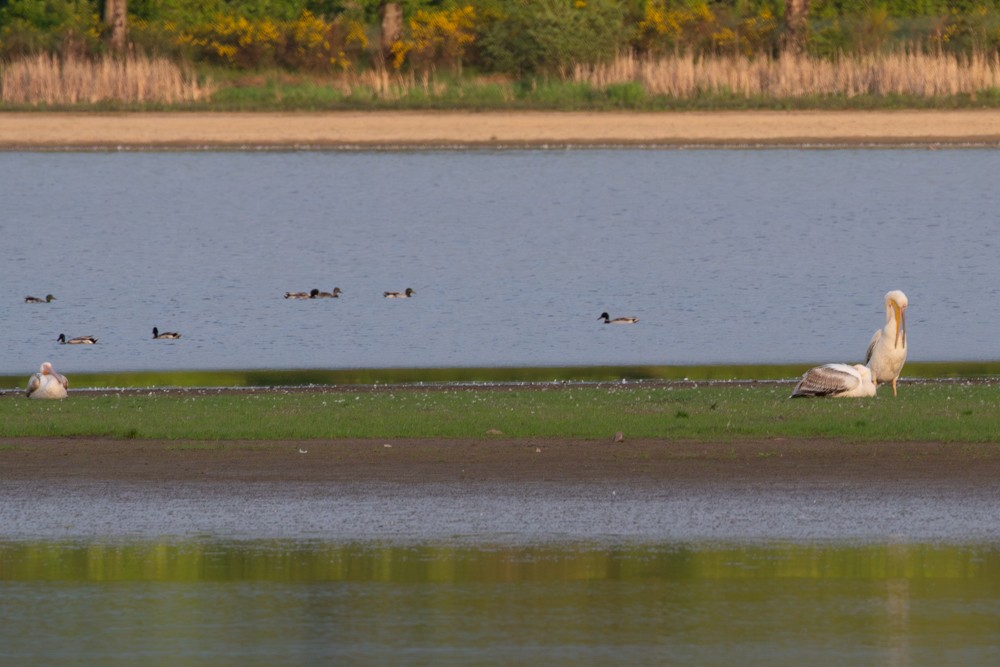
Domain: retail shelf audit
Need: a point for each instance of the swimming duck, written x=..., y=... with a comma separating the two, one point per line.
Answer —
x=34, y=299
x=618, y=320
x=399, y=295
x=46, y=383
x=79, y=340
x=311, y=294
x=166, y=335
x=335, y=294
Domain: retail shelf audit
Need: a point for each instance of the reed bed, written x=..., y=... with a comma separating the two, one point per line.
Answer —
x=46, y=79
x=790, y=76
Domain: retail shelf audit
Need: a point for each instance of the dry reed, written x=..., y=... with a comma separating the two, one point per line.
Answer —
x=50, y=80
x=789, y=76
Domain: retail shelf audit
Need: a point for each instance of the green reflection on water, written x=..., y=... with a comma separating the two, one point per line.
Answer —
x=295, y=561
x=289, y=602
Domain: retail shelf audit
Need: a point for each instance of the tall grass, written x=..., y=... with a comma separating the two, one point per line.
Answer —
x=791, y=76
x=45, y=79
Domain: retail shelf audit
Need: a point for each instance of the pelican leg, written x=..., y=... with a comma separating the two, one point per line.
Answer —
x=893, y=386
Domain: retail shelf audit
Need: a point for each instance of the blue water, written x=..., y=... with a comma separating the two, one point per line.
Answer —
x=725, y=256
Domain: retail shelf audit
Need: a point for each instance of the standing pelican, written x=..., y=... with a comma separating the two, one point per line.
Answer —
x=46, y=383
x=838, y=380
x=618, y=320
x=887, y=349
x=399, y=295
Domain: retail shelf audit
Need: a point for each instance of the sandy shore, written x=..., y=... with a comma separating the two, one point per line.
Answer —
x=445, y=129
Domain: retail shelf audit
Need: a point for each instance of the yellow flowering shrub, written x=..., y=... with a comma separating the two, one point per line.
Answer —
x=676, y=29
x=436, y=37
x=307, y=43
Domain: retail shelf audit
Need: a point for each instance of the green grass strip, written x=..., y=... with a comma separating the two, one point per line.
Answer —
x=950, y=412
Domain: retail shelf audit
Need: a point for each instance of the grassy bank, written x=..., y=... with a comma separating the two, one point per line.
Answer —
x=375, y=376
x=950, y=412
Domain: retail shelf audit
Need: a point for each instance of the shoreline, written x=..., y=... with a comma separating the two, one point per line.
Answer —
x=406, y=130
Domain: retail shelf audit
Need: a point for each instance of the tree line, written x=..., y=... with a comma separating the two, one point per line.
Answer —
x=510, y=37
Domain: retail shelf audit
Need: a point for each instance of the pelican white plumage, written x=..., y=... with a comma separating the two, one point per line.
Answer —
x=887, y=349
x=47, y=383
x=837, y=380
x=618, y=320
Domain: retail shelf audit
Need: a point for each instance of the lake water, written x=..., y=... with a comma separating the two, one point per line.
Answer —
x=214, y=602
x=725, y=256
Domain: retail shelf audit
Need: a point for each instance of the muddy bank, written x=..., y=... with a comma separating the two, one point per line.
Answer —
x=498, y=490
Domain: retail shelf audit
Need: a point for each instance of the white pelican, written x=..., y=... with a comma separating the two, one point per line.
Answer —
x=34, y=299
x=311, y=294
x=399, y=295
x=838, y=380
x=166, y=335
x=46, y=383
x=335, y=294
x=79, y=340
x=887, y=349
x=618, y=320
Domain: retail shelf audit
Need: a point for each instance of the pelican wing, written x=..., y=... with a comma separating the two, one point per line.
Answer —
x=34, y=382
x=871, y=345
x=827, y=380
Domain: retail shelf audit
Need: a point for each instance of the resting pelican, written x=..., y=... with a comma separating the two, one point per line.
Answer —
x=166, y=335
x=335, y=294
x=302, y=295
x=34, y=299
x=887, y=349
x=46, y=383
x=399, y=295
x=79, y=340
x=836, y=380
x=618, y=320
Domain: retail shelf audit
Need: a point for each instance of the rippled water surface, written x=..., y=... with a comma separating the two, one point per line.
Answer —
x=725, y=256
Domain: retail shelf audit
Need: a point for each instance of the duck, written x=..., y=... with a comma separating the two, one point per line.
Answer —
x=166, y=335
x=887, y=350
x=34, y=299
x=79, y=340
x=836, y=380
x=399, y=295
x=618, y=320
x=311, y=294
x=47, y=383
x=335, y=294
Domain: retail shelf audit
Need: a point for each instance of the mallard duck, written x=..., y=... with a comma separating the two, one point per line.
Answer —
x=887, y=349
x=399, y=295
x=46, y=383
x=166, y=335
x=618, y=320
x=335, y=294
x=34, y=299
x=838, y=380
x=79, y=340
x=311, y=294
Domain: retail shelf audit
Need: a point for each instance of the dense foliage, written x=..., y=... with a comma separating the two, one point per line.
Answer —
x=516, y=37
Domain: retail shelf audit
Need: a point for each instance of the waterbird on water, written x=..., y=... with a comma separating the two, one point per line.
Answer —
x=47, y=383
x=335, y=294
x=836, y=380
x=399, y=295
x=34, y=299
x=887, y=349
x=166, y=335
x=618, y=320
x=79, y=340
x=311, y=294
